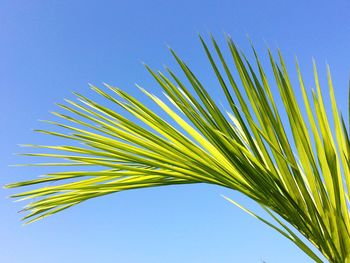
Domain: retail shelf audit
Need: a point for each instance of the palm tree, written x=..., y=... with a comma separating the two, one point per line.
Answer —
x=297, y=169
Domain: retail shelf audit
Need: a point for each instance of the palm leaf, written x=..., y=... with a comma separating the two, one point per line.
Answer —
x=297, y=169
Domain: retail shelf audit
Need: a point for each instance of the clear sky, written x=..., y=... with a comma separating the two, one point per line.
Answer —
x=50, y=48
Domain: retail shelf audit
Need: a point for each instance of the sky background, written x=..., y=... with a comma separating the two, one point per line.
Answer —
x=50, y=48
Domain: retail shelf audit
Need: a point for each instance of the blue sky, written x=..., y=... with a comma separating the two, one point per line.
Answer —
x=50, y=48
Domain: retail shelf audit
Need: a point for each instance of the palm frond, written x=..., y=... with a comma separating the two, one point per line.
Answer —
x=297, y=168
